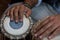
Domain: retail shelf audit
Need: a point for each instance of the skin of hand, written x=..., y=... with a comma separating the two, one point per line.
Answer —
x=16, y=12
x=49, y=28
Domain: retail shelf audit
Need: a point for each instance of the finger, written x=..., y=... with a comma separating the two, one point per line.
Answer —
x=16, y=13
x=55, y=33
x=43, y=29
x=48, y=31
x=35, y=25
x=43, y=23
x=11, y=13
x=21, y=11
x=28, y=12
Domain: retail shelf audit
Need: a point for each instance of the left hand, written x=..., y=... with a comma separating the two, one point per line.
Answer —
x=48, y=28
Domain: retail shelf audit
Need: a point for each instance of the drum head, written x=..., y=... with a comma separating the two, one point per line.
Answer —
x=15, y=30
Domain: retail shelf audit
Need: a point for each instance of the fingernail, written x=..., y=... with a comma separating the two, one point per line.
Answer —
x=40, y=36
x=35, y=35
x=49, y=37
x=11, y=20
x=16, y=21
x=21, y=20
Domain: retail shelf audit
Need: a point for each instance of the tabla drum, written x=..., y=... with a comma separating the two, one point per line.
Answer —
x=15, y=30
x=40, y=13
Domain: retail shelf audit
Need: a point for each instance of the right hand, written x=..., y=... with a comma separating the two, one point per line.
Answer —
x=16, y=12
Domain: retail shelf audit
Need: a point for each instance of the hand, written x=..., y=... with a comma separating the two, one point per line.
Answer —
x=50, y=28
x=16, y=12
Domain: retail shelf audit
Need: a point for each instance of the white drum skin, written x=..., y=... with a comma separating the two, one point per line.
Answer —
x=22, y=30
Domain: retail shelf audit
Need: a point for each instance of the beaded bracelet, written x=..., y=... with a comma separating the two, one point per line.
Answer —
x=27, y=5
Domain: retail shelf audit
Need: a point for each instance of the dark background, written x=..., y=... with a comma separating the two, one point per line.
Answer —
x=46, y=1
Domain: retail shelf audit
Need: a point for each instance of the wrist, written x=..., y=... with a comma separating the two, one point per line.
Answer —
x=31, y=3
x=28, y=5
